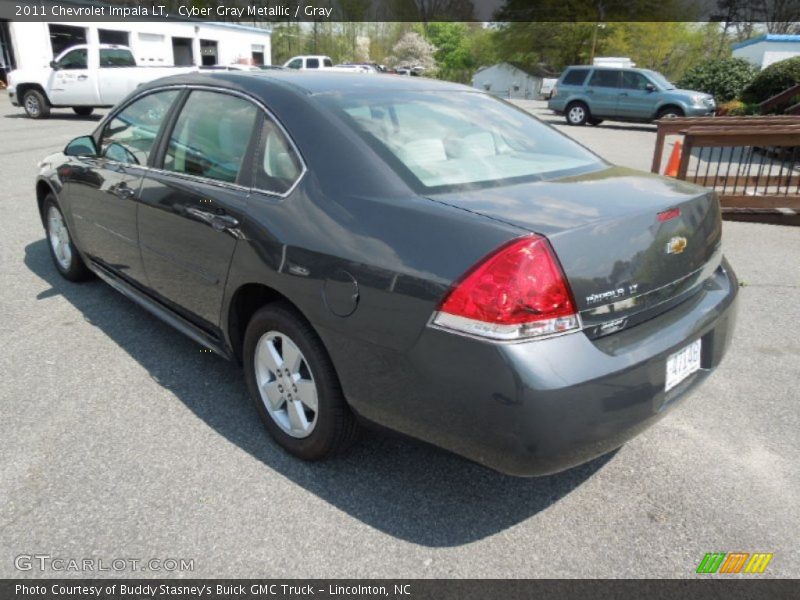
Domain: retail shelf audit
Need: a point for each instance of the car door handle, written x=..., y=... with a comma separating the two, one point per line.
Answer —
x=122, y=191
x=623, y=93
x=590, y=91
x=82, y=77
x=218, y=222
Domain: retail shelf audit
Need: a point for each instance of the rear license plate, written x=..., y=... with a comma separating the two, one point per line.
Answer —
x=682, y=364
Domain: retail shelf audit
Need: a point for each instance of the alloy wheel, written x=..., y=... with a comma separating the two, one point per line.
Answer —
x=58, y=235
x=285, y=384
x=576, y=114
x=32, y=105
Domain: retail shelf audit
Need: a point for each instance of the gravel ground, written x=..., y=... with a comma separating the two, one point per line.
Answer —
x=122, y=439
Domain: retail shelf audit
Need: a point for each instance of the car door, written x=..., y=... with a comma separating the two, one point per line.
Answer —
x=71, y=83
x=603, y=92
x=193, y=204
x=103, y=190
x=635, y=100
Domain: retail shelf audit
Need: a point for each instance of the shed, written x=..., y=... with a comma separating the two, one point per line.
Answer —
x=770, y=48
x=511, y=80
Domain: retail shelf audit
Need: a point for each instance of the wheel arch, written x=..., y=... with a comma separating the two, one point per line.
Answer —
x=670, y=104
x=245, y=301
x=24, y=88
x=43, y=188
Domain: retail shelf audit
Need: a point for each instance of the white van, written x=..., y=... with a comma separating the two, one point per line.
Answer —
x=308, y=63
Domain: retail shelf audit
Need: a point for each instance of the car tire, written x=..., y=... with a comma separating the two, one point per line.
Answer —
x=83, y=111
x=577, y=113
x=595, y=121
x=35, y=104
x=294, y=385
x=65, y=255
x=670, y=112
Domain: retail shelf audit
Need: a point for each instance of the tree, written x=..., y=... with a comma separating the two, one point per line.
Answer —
x=453, y=52
x=413, y=49
x=724, y=79
x=773, y=80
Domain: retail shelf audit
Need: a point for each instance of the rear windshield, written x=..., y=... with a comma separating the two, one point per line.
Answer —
x=446, y=140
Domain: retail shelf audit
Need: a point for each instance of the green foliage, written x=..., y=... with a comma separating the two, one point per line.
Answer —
x=773, y=80
x=724, y=79
x=453, y=50
x=737, y=108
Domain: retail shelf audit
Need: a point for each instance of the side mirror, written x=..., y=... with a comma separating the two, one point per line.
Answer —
x=650, y=87
x=54, y=65
x=81, y=146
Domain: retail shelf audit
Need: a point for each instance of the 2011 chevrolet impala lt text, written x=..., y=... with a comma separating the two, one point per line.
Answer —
x=400, y=251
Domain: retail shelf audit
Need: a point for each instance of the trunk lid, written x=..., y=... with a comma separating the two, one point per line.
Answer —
x=623, y=262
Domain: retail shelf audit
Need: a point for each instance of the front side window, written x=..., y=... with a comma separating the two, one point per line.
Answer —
x=297, y=63
x=211, y=136
x=77, y=59
x=312, y=63
x=631, y=80
x=116, y=57
x=327, y=62
x=660, y=80
x=278, y=164
x=605, y=78
x=575, y=77
x=460, y=138
x=130, y=135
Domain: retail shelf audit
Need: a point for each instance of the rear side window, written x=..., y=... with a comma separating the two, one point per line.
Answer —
x=312, y=63
x=211, y=136
x=129, y=136
x=116, y=57
x=605, y=78
x=77, y=59
x=277, y=166
x=575, y=76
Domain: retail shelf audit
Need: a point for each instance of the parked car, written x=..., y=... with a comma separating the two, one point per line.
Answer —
x=308, y=63
x=548, y=85
x=591, y=94
x=82, y=77
x=347, y=68
x=403, y=251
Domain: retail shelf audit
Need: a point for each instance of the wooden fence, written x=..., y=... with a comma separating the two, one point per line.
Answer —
x=753, y=163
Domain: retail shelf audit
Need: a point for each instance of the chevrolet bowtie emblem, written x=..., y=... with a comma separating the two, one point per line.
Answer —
x=676, y=245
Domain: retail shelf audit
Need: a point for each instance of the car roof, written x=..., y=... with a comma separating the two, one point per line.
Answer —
x=308, y=83
x=618, y=68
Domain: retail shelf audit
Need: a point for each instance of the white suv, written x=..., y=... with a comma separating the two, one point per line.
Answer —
x=308, y=63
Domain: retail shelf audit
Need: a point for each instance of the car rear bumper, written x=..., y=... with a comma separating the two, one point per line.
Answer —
x=541, y=407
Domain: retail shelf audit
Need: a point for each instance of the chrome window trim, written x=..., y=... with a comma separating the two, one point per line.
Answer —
x=193, y=86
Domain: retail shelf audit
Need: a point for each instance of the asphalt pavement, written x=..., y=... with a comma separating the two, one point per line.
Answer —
x=121, y=439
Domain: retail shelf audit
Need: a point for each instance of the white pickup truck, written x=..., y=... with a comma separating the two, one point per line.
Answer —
x=82, y=78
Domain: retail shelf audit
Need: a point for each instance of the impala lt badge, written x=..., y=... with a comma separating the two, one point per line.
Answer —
x=676, y=245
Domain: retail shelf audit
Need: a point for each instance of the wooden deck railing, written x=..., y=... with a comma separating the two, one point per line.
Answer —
x=753, y=163
x=782, y=99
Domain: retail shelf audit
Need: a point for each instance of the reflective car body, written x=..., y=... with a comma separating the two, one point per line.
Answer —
x=367, y=253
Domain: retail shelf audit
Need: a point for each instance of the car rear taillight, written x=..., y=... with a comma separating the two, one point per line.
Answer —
x=517, y=292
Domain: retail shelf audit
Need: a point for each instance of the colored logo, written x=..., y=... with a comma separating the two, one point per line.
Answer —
x=734, y=562
x=676, y=245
